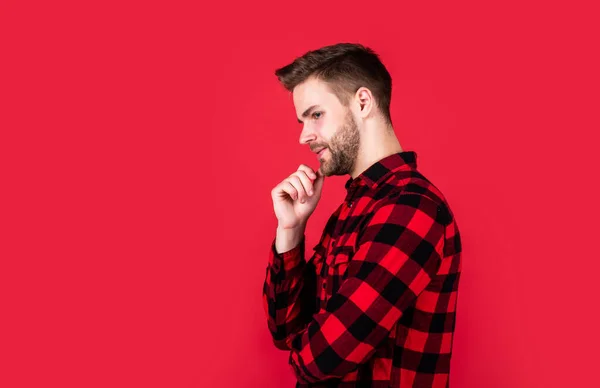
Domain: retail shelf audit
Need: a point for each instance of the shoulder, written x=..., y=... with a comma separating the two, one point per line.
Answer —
x=410, y=208
x=412, y=190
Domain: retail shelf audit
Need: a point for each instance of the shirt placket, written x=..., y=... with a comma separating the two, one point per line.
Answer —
x=327, y=272
x=324, y=276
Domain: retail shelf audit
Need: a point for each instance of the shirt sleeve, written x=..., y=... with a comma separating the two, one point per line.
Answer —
x=398, y=252
x=288, y=293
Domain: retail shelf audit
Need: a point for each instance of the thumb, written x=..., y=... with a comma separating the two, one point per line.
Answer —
x=318, y=183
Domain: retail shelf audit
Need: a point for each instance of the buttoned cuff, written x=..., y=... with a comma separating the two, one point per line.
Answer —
x=289, y=259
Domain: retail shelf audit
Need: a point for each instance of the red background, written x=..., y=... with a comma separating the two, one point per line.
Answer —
x=140, y=141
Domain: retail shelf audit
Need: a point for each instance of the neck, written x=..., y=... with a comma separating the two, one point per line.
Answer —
x=375, y=145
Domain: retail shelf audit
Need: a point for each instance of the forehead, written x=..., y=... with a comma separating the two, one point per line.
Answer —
x=313, y=92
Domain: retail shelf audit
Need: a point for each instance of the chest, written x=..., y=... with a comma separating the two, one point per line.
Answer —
x=335, y=252
x=332, y=257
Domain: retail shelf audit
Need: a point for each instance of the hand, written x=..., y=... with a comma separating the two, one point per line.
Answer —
x=296, y=197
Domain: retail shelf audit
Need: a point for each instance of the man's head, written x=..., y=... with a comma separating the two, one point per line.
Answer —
x=336, y=90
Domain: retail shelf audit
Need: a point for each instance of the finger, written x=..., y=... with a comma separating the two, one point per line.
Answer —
x=309, y=171
x=289, y=189
x=306, y=182
x=297, y=183
x=285, y=189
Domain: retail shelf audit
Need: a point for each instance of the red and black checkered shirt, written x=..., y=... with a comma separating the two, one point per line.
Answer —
x=375, y=304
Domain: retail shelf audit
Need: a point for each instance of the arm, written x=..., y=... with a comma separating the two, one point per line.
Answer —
x=289, y=289
x=398, y=252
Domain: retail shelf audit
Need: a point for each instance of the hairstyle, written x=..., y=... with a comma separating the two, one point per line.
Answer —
x=345, y=67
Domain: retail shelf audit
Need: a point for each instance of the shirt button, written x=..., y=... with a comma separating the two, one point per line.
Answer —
x=350, y=204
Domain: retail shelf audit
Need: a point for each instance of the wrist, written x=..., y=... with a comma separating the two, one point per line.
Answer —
x=289, y=238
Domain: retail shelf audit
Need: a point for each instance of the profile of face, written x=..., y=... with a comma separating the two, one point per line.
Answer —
x=327, y=125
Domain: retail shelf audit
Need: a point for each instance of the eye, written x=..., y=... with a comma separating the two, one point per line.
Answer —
x=316, y=115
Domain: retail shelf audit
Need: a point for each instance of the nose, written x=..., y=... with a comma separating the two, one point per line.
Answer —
x=307, y=135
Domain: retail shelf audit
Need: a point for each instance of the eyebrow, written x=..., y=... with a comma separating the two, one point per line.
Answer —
x=307, y=112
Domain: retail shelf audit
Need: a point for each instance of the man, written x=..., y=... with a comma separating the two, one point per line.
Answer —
x=374, y=305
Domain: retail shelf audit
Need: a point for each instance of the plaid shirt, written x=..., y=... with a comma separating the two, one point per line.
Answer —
x=375, y=304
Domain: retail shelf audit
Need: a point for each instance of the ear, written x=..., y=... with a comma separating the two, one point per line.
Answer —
x=365, y=101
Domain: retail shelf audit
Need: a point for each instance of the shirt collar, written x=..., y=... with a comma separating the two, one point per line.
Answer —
x=379, y=171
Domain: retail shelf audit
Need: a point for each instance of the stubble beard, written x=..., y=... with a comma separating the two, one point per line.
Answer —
x=343, y=149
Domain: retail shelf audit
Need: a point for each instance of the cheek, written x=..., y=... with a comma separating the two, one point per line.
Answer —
x=326, y=130
x=321, y=127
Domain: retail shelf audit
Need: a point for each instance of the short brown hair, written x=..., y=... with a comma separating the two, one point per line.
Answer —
x=345, y=67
